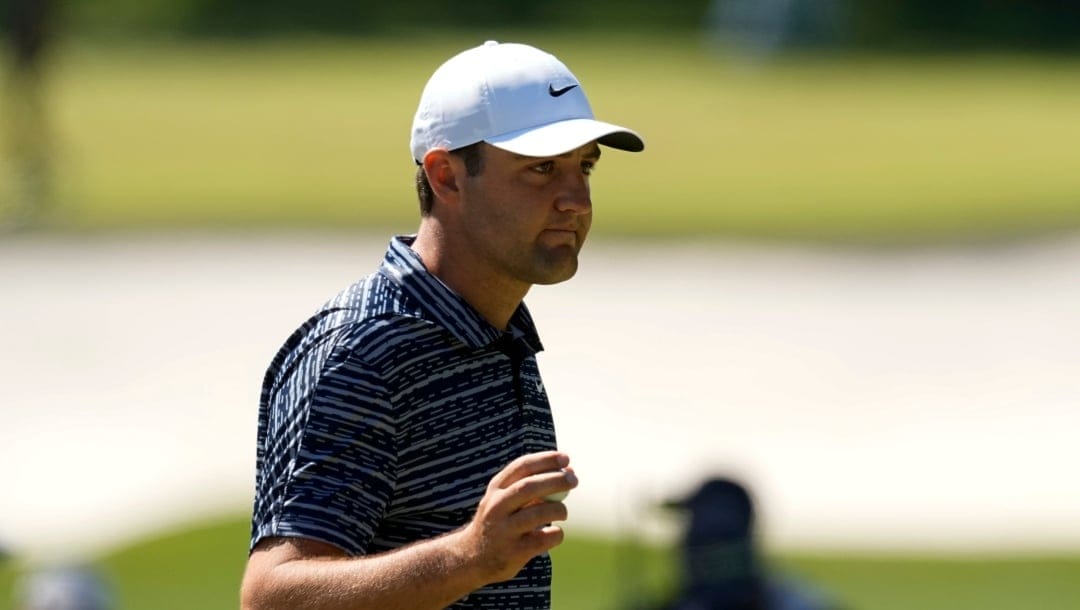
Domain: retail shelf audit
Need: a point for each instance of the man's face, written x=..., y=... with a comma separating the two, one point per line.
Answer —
x=527, y=217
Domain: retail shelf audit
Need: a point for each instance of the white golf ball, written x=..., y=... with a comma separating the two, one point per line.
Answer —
x=558, y=496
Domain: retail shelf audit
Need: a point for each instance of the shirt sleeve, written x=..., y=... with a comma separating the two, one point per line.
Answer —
x=332, y=457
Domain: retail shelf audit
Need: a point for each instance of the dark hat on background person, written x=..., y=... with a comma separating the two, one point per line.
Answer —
x=719, y=508
x=514, y=97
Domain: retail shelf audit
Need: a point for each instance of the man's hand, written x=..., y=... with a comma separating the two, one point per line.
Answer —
x=513, y=523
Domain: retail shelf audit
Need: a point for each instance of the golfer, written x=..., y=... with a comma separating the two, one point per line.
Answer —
x=405, y=441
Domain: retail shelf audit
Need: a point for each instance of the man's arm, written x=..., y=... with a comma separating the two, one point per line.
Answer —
x=511, y=526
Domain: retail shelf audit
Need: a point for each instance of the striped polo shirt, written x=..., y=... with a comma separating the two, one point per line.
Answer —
x=384, y=416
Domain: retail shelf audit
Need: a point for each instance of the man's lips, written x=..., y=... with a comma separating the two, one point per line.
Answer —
x=561, y=233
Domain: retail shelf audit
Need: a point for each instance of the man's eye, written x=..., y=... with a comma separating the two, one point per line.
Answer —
x=588, y=167
x=544, y=168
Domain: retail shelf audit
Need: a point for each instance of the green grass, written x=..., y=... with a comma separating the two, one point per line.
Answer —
x=200, y=567
x=899, y=583
x=313, y=133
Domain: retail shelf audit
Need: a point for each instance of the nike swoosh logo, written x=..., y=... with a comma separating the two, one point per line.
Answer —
x=553, y=92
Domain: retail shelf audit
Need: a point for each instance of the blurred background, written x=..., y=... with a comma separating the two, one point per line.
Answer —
x=842, y=276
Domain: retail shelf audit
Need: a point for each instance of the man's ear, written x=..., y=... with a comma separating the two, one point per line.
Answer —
x=443, y=173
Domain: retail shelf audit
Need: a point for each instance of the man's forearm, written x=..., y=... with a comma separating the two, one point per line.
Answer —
x=429, y=574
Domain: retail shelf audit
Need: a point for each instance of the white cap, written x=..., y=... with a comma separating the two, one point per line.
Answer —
x=512, y=96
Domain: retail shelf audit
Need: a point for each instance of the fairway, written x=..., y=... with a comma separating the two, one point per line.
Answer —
x=313, y=133
x=200, y=567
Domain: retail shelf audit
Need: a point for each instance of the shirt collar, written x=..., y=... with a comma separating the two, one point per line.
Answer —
x=439, y=304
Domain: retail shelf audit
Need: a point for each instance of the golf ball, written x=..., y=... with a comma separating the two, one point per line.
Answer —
x=558, y=496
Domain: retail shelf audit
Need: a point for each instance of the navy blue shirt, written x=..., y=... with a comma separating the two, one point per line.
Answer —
x=385, y=415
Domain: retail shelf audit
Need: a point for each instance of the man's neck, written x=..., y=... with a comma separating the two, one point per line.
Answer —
x=493, y=297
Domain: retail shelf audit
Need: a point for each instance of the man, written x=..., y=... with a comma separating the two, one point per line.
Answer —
x=405, y=444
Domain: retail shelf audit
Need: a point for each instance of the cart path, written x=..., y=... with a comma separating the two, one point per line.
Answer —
x=917, y=400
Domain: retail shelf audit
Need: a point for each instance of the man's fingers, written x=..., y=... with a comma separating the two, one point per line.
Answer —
x=543, y=484
x=529, y=490
x=544, y=539
x=532, y=463
x=537, y=516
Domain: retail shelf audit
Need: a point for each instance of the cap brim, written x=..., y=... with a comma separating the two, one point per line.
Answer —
x=564, y=136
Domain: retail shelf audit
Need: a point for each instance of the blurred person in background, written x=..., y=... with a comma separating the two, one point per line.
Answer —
x=406, y=449
x=26, y=169
x=722, y=568
x=63, y=588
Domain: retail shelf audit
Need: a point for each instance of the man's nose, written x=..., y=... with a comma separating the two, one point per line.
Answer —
x=574, y=195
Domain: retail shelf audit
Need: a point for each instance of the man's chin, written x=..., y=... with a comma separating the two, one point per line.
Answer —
x=560, y=274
